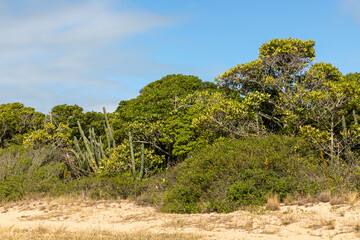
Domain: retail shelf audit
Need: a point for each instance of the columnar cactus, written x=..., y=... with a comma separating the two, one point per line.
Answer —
x=133, y=158
x=89, y=158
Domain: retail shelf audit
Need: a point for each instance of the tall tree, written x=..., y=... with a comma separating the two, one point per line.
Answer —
x=280, y=65
x=149, y=116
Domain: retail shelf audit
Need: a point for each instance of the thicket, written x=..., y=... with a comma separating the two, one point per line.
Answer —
x=279, y=124
x=235, y=173
x=43, y=172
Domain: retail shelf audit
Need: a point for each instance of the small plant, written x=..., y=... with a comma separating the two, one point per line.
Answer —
x=249, y=225
x=357, y=227
x=337, y=200
x=289, y=200
x=273, y=202
x=324, y=196
x=330, y=224
x=352, y=198
x=286, y=220
x=288, y=211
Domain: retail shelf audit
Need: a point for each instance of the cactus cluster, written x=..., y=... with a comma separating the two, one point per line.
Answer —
x=88, y=159
x=133, y=159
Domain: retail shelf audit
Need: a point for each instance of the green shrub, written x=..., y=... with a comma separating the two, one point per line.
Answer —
x=12, y=189
x=104, y=187
x=234, y=173
x=16, y=160
x=30, y=172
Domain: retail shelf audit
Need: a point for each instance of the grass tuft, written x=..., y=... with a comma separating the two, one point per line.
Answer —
x=324, y=196
x=273, y=202
x=352, y=198
x=337, y=200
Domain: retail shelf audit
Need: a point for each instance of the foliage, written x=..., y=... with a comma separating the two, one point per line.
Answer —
x=151, y=116
x=89, y=158
x=18, y=160
x=325, y=107
x=302, y=99
x=69, y=115
x=280, y=124
x=280, y=65
x=66, y=115
x=229, y=116
x=17, y=120
x=118, y=161
x=19, y=187
x=234, y=173
x=158, y=98
x=50, y=135
x=26, y=172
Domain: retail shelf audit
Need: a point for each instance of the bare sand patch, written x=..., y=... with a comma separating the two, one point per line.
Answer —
x=125, y=218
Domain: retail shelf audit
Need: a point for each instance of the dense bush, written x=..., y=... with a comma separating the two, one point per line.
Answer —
x=27, y=172
x=234, y=173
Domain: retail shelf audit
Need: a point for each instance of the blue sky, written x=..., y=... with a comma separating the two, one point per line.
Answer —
x=97, y=53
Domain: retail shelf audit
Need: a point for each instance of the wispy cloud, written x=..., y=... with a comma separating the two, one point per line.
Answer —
x=351, y=8
x=64, y=52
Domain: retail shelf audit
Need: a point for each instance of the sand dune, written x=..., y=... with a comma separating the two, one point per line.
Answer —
x=313, y=221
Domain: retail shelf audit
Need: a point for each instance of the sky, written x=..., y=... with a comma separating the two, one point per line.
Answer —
x=98, y=53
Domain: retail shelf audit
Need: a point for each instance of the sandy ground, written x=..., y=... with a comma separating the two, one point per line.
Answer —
x=315, y=221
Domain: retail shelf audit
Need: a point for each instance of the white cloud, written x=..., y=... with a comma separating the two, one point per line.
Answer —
x=63, y=52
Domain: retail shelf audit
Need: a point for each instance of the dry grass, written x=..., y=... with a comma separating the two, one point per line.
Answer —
x=323, y=223
x=337, y=200
x=288, y=219
x=176, y=223
x=352, y=198
x=304, y=200
x=324, y=196
x=249, y=225
x=273, y=202
x=289, y=200
x=307, y=220
x=270, y=231
x=42, y=232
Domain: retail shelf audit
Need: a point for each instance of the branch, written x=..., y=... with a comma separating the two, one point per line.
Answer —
x=270, y=118
x=156, y=146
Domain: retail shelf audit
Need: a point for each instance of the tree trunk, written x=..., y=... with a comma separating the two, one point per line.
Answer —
x=332, y=139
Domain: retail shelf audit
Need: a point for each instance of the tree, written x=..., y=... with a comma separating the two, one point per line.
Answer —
x=226, y=116
x=159, y=98
x=324, y=106
x=68, y=115
x=149, y=116
x=16, y=120
x=280, y=65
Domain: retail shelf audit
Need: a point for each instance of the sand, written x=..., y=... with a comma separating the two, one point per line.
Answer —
x=311, y=221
